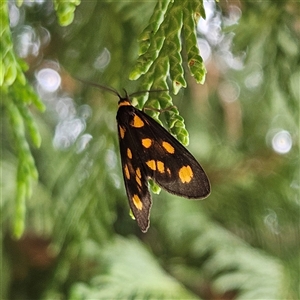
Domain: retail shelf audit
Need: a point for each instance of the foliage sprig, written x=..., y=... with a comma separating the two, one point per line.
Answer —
x=65, y=11
x=17, y=96
x=171, y=26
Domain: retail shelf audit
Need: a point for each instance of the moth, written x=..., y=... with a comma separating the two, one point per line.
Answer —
x=147, y=151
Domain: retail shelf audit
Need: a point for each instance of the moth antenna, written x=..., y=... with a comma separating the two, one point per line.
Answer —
x=126, y=94
x=99, y=86
x=114, y=91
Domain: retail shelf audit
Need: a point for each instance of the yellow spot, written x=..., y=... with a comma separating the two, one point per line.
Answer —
x=124, y=103
x=146, y=142
x=122, y=132
x=160, y=166
x=138, y=180
x=137, y=122
x=138, y=176
x=127, y=174
x=138, y=173
x=185, y=174
x=129, y=154
x=168, y=147
x=151, y=164
x=137, y=202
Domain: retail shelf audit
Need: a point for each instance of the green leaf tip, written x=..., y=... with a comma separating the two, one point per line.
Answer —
x=65, y=11
x=172, y=24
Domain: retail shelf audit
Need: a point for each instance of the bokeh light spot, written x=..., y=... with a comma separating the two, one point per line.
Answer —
x=83, y=142
x=14, y=15
x=27, y=42
x=67, y=132
x=102, y=60
x=282, y=142
x=48, y=79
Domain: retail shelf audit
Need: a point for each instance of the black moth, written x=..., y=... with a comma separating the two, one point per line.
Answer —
x=148, y=150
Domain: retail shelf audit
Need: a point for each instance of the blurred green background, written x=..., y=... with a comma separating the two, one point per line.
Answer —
x=78, y=240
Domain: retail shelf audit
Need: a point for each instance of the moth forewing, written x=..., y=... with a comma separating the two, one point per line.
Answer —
x=148, y=150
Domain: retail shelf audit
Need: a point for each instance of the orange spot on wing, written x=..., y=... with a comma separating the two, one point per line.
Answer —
x=151, y=164
x=168, y=147
x=138, y=180
x=138, y=172
x=126, y=171
x=122, y=132
x=137, y=202
x=129, y=153
x=137, y=122
x=146, y=142
x=138, y=176
x=186, y=174
x=160, y=166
